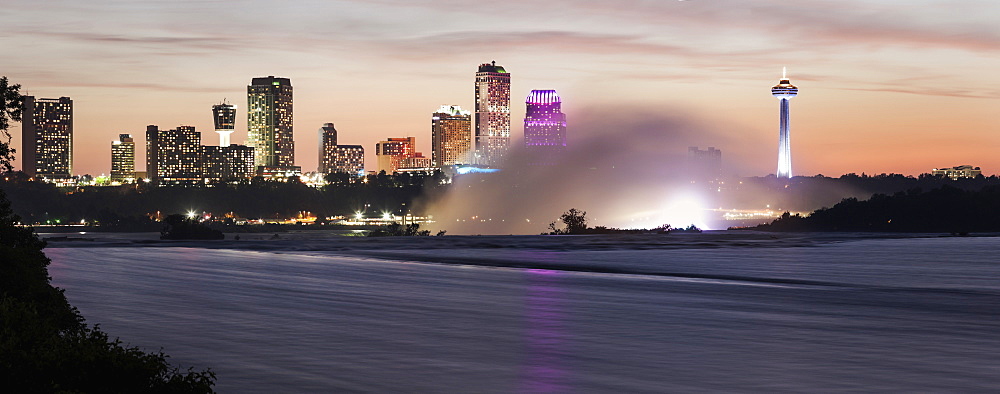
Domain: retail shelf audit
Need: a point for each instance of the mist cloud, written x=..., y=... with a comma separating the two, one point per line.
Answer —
x=624, y=166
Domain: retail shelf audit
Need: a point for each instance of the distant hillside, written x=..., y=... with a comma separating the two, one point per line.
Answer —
x=945, y=209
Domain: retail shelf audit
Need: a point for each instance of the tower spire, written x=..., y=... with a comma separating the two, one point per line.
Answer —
x=784, y=71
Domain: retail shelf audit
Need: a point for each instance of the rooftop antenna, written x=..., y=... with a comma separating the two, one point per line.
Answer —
x=784, y=70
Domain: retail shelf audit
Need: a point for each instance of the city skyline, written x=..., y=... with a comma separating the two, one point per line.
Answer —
x=885, y=94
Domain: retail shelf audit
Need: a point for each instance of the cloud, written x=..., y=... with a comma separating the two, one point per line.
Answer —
x=214, y=43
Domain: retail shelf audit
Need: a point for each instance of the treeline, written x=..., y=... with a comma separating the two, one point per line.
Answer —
x=946, y=209
x=807, y=193
x=131, y=205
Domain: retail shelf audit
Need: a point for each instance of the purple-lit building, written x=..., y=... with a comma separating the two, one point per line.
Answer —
x=544, y=126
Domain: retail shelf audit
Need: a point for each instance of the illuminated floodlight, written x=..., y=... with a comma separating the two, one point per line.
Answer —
x=386, y=216
x=476, y=170
x=191, y=214
x=359, y=215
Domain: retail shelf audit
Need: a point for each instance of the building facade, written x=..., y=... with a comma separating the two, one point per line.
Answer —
x=224, y=117
x=123, y=159
x=173, y=156
x=47, y=137
x=396, y=153
x=544, y=127
x=963, y=171
x=349, y=159
x=451, y=136
x=269, y=123
x=492, y=134
x=327, y=148
x=227, y=163
x=784, y=91
x=416, y=160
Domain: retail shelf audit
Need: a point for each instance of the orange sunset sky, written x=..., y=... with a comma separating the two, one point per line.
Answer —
x=885, y=86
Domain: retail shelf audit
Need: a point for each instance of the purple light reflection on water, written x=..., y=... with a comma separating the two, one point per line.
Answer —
x=547, y=340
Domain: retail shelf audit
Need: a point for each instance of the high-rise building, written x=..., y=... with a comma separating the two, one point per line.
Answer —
x=544, y=126
x=269, y=123
x=47, y=137
x=492, y=137
x=123, y=159
x=224, y=115
x=173, y=156
x=451, y=136
x=397, y=153
x=327, y=147
x=704, y=165
x=784, y=91
x=349, y=159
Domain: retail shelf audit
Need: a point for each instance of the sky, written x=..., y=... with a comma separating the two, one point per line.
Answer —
x=884, y=86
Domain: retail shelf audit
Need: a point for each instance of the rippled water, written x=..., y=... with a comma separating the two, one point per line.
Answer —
x=531, y=314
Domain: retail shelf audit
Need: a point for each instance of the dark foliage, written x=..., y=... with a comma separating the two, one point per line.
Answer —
x=945, y=209
x=398, y=230
x=11, y=103
x=178, y=227
x=575, y=223
x=45, y=346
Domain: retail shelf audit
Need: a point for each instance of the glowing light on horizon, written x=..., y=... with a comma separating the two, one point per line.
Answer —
x=683, y=211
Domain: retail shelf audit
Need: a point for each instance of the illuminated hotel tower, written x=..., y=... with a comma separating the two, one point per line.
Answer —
x=784, y=91
x=492, y=137
x=225, y=121
x=544, y=125
x=269, y=122
x=451, y=136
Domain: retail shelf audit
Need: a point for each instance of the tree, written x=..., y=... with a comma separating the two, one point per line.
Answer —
x=11, y=103
x=574, y=220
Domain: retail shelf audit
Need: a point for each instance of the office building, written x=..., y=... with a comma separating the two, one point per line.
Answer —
x=269, y=124
x=47, y=138
x=784, y=91
x=451, y=136
x=492, y=134
x=123, y=159
x=173, y=156
x=224, y=116
x=544, y=127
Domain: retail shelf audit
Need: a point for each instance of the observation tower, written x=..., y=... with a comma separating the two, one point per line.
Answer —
x=784, y=91
x=224, y=115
